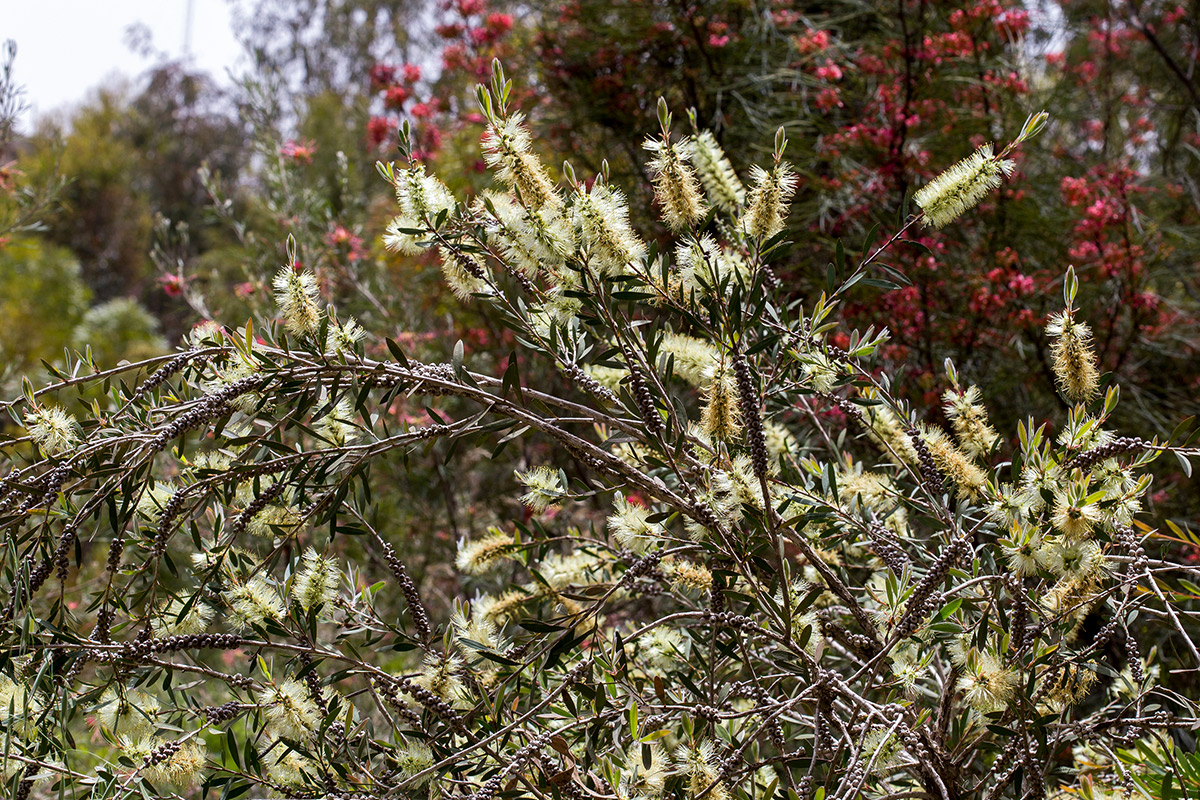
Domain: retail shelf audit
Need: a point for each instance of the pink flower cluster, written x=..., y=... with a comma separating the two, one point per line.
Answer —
x=346, y=242
x=298, y=152
x=474, y=36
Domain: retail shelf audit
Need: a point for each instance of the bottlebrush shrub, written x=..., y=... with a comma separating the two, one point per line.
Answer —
x=747, y=571
x=877, y=99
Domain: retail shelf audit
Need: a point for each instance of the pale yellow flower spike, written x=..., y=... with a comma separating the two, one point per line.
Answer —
x=676, y=187
x=946, y=197
x=720, y=182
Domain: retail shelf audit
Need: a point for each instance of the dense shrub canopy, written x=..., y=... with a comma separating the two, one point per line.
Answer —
x=844, y=463
x=743, y=566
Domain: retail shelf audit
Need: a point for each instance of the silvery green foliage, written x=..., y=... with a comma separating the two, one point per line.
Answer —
x=747, y=571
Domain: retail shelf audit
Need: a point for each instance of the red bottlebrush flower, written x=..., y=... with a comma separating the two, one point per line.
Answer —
x=396, y=95
x=300, y=152
x=829, y=72
x=421, y=110
x=717, y=41
x=1175, y=16
x=812, y=41
x=1146, y=300
x=412, y=73
x=244, y=290
x=454, y=56
x=1021, y=284
x=345, y=239
x=1013, y=20
x=382, y=76
x=8, y=176
x=451, y=31
x=469, y=7
x=172, y=285
x=829, y=98
x=498, y=23
x=379, y=130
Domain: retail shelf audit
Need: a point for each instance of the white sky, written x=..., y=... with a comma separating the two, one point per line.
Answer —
x=66, y=48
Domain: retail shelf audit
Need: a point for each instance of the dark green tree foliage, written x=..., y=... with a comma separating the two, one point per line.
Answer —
x=42, y=298
x=129, y=160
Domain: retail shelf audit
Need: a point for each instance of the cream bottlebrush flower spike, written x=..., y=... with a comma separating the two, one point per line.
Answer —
x=316, y=583
x=968, y=417
x=422, y=200
x=769, y=199
x=289, y=709
x=1073, y=360
x=545, y=488
x=478, y=556
x=506, y=149
x=767, y=207
x=721, y=416
x=53, y=430
x=342, y=338
x=962, y=186
x=506, y=146
x=296, y=294
x=676, y=187
x=720, y=182
x=946, y=197
x=464, y=273
x=602, y=217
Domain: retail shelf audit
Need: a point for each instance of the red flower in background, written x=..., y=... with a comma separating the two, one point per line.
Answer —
x=172, y=285
x=379, y=130
x=345, y=240
x=498, y=23
x=382, y=76
x=395, y=96
x=299, y=152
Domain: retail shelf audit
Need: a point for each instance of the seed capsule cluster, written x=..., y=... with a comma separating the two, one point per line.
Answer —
x=215, y=715
x=643, y=566
x=588, y=384
x=166, y=521
x=1020, y=612
x=751, y=416
x=264, y=499
x=313, y=681
x=761, y=697
x=213, y=406
x=170, y=644
x=518, y=760
x=728, y=619
x=431, y=701
x=430, y=376
x=164, y=372
x=924, y=596
x=931, y=476
x=888, y=551
x=645, y=401
x=160, y=753
x=1119, y=446
x=389, y=692
x=409, y=590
